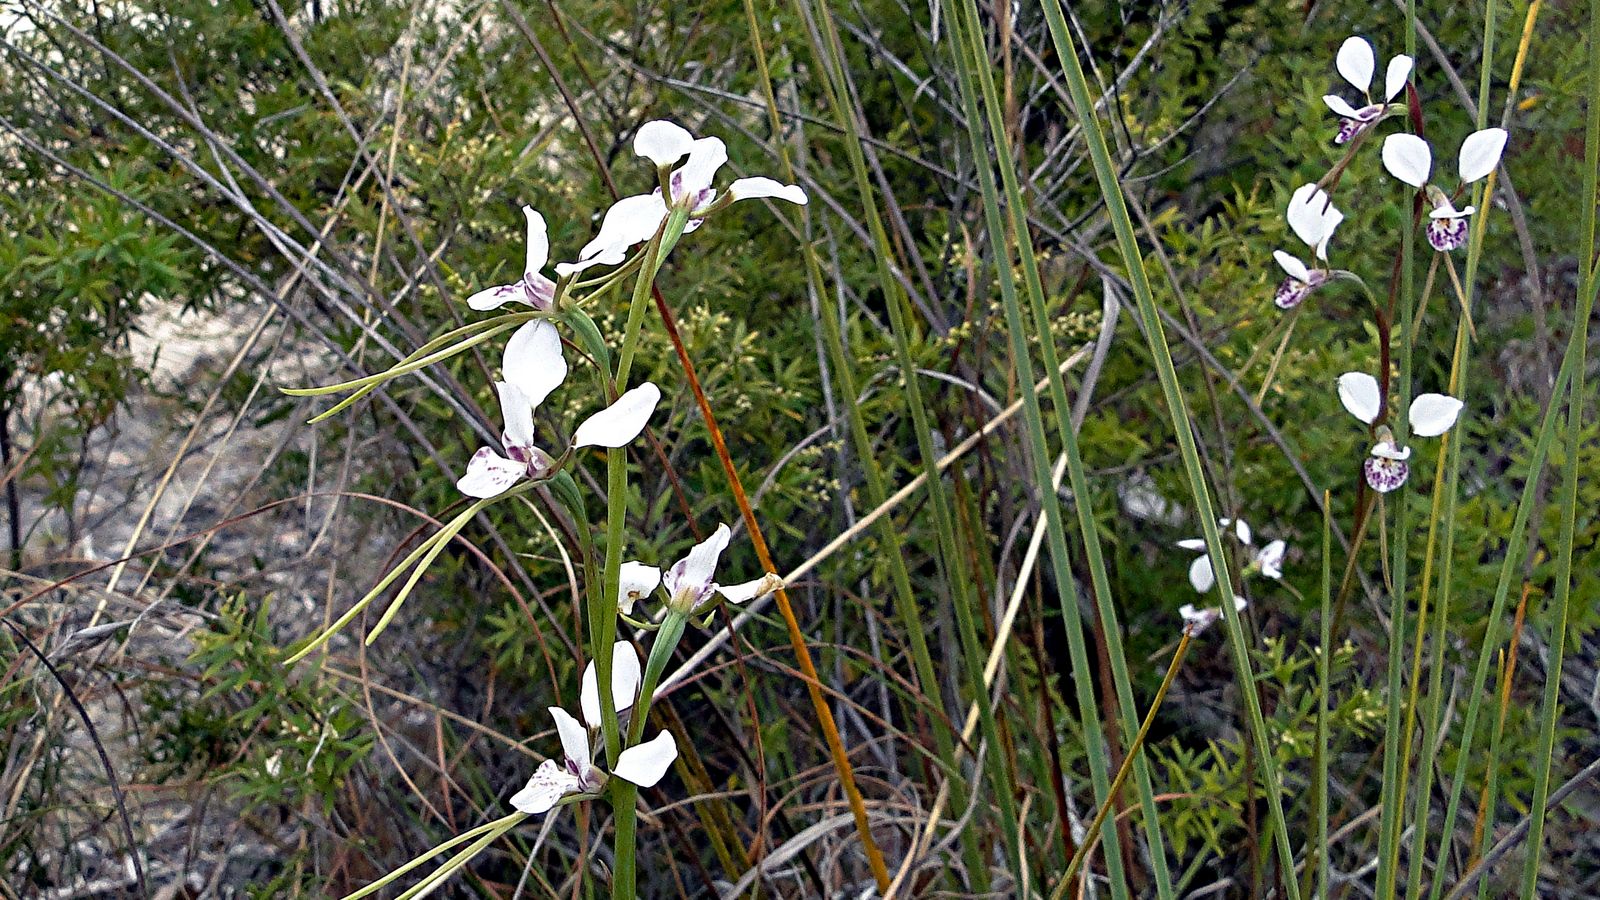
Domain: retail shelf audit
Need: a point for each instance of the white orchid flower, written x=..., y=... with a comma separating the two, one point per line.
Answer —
x=1408, y=158
x=1430, y=415
x=1267, y=560
x=533, y=288
x=633, y=220
x=642, y=764
x=1302, y=280
x=1356, y=62
x=1196, y=620
x=532, y=367
x=1312, y=217
x=690, y=581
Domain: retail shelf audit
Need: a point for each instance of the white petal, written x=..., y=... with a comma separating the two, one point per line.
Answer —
x=644, y=764
x=1407, y=158
x=1387, y=450
x=750, y=590
x=1196, y=544
x=550, y=782
x=1291, y=264
x=629, y=221
x=1201, y=577
x=489, y=474
x=624, y=683
x=1340, y=107
x=1312, y=215
x=706, y=156
x=1433, y=414
x=574, y=738
x=1447, y=210
x=1331, y=222
x=1481, y=152
x=638, y=582
x=662, y=142
x=538, y=241
x=517, y=413
x=1241, y=529
x=753, y=188
x=1359, y=393
x=605, y=257
x=497, y=296
x=1270, y=559
x=698, y=569
x=620, y=422
x=1239, y=603
x=1356, y=63
x=533, y=361
x=1394, y=80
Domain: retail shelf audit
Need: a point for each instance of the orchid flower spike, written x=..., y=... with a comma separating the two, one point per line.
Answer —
x=643, y=764
x=1356, y=62
x=532, y=367
x=633, y=220
x=1430, y=415
x=1197, y=620
x=533, y=288
x=1313, y=218
x=1408, y=158
x=690, y=582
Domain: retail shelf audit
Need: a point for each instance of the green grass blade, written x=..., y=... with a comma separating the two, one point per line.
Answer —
x=1110, y=189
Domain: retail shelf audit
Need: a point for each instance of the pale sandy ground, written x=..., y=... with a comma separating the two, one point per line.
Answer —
x=190, y=836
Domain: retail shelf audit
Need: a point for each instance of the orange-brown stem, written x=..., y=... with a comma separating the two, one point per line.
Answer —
x=797, y=638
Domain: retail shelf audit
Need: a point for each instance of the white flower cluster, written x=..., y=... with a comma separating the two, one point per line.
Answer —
x=1313, y=217
x=1266, y=561
x=534, y=365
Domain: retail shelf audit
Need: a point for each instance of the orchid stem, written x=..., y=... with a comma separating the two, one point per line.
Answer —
x=623, y=885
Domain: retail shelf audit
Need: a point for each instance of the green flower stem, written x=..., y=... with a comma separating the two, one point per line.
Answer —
x=623, y=794
x=950, y=561
x=605, y=619
x=1324, y=677
x=1111, y=191
x=842, y=368
x=1039, y=457
x=1576, y=343
x=1441, y=529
